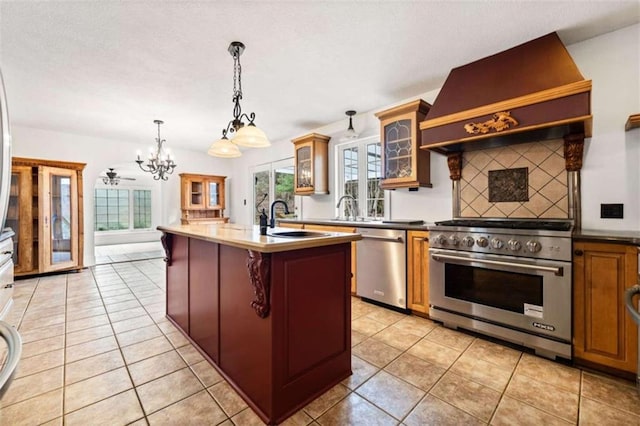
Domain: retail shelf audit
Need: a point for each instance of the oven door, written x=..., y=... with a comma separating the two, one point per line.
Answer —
x=530, y=295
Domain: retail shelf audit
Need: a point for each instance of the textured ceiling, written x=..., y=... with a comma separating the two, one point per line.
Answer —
x=108, y=69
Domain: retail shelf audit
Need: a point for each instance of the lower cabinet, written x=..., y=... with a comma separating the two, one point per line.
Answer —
x=418, y=271
x=604, y=333
x=177, y=281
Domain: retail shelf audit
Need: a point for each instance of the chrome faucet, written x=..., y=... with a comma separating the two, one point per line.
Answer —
x=353, y=206
x=272, y=221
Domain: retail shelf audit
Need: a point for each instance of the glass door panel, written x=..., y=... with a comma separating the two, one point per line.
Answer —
x=283, y=179
x=304, y=177
x=214, y=194
x=260, y=194
x=19, y=218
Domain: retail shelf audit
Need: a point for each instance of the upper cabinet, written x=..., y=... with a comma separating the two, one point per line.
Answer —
x=405, y=165
x=202, y=198
x=45, y=211
x=311, y=162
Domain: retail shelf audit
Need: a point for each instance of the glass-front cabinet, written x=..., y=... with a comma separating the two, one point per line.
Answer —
x=311, y=163
x=202, y=198
x=45, y=213
x=405, y=164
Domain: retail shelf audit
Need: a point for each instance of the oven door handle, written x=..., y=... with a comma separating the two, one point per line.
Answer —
x=389, y=239
x=628, y=300
x=559, y=271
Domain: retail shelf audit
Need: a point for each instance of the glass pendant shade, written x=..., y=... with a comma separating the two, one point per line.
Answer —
x=251, y=137
x=224, y=148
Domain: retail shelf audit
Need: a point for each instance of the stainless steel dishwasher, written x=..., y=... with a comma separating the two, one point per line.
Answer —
x=382, y=266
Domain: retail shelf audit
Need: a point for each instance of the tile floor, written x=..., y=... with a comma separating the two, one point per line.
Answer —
x=98, y=350
x=128, y=252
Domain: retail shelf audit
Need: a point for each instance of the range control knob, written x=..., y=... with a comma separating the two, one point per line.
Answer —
x=468, y=241
x=441, y=240
x=533, y=246
x=482, y=242
x=497, y=243
x=454, y=240
x=514, y=245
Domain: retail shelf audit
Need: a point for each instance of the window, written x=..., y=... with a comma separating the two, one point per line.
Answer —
x=113, y=212
x=359, y=175
x=273, y=181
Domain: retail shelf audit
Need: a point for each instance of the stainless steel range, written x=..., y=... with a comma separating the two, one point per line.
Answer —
x=510, y=279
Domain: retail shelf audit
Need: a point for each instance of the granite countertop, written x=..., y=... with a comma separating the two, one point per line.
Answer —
x=248, y=237
x=620, y=237
x=380, y=224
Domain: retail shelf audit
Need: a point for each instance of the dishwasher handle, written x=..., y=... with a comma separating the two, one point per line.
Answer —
x=14, y=351
x=628, y=301
x=397, y=239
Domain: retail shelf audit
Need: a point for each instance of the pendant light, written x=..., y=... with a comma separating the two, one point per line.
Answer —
x=350, y=134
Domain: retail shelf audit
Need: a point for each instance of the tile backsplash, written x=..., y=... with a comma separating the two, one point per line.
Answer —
x=547, y=181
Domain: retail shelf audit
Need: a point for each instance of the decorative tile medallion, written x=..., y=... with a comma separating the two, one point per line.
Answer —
x=509, y=185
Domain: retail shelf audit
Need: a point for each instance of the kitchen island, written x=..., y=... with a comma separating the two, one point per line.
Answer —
x=272, y=314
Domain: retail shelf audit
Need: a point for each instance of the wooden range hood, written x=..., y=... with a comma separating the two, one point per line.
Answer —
x=528, y=93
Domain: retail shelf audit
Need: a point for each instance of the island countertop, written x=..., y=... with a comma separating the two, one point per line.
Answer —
x=248, y=237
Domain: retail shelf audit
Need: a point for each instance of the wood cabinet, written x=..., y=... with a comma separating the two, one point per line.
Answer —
x=604, y=334
x=202, y=198
x=404, y=164
x=418, y=271
x=45, y=210
x=312, y=164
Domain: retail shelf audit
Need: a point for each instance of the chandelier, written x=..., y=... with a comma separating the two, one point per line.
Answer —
x=245, y=135
x=159, y=163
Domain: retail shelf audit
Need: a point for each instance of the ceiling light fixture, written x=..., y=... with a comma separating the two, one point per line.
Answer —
x=112, y=177
x=350, y=133
x=159, y=162
x=248, y=136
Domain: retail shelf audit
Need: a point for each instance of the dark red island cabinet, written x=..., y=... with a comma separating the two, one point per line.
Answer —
x=276, y=325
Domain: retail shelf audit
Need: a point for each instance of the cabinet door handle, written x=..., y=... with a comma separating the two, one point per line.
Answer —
x=426, y=239
x=578, y=252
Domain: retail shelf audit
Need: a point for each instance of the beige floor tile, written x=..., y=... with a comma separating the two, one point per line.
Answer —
x=247, y=417
x=385, y=316
x=547, y=371
x=393, y=395
x=118, y=298
x=416, y=371
x=166, y=326
x=494, y=353
x=415, y=325
x=397, y=338
x=354, y=410
x=34, y=411
x=367, y=326
x=93, y=366
x=205, y=372
x=482, y=372
x=141, y=422
x=35, y=314
x=132, y=324
x=155, y=367
x=146, y=349
x=121, y=409
x=360, y=309
x=85, y=313
x=35, y=322
x=428, y=350
x=357, y=338
x=616, y=393
x=451, y=338
x=433, y=411
x=190, y=354
x=127, y=314
x=88, y=334
x=121, y=306
x=544, y=396
x=376, y=352
x=29, y=336
x=513, y=412
x=227, y=398
x=199, y=409
x=41, y=346
x=78, y=304
x=325, y=401
x=84, y=323
x=138, y=335
x=54, y=422
x=362, y=371
x=474, y=398
x=300, y=418
x=115, y=292
x=33, y=385
x=177, y=339
x=154, y=395
x=89, y=349
x=596, y=413
x=94, y=389
x=37, y=363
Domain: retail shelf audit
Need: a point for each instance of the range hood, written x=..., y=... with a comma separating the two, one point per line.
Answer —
x=531, y=92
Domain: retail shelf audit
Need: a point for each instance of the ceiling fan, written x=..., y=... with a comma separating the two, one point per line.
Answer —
x=112, y=178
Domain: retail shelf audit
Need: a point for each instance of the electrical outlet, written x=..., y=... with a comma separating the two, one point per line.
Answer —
x=611, y=211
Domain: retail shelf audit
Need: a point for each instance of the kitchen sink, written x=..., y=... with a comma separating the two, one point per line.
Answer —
x=298, y=234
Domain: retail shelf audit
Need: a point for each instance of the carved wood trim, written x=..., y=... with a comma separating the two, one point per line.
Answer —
x=454, y=161
x=573, y=148
x=510, y=104
x=259, y=266
x=501, y=121
x=165, y=239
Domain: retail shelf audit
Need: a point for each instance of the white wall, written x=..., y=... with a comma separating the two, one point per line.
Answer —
x=99, y=154
x=612, y=156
